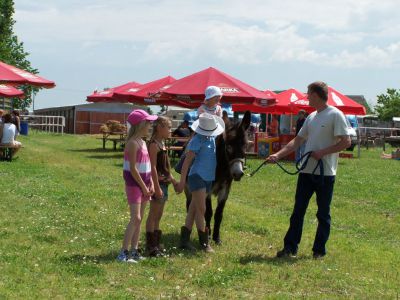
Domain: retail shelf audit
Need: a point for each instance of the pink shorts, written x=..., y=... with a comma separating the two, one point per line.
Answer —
x=135, y=195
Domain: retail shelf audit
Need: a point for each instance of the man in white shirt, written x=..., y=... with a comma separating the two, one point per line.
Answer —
x=9, y=134
x=325, y=133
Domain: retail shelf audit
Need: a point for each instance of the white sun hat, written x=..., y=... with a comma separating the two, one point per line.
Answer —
x=212, y=91
x=208, y=125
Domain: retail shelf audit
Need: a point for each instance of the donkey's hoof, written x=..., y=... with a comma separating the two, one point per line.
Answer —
x=217, y=241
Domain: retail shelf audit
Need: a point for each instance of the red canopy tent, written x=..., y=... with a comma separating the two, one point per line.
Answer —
x=146, y=94
x=189, y=91
x=10, y=91
x=12, y=75
x=108, y=95
x=282, y=105
x=7, y=91
x=336, y=99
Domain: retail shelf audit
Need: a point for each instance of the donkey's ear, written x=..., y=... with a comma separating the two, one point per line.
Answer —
x=245, y=124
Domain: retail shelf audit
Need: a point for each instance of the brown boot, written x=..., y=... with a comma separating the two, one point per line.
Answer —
x=185, y=239
x=151, y=247
x=204, y=241
x=157, y=238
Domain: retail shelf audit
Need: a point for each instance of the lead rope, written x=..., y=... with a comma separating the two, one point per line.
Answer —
x=299, y=167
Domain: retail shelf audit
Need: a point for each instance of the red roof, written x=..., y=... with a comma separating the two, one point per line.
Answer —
x=336, y=99
x=108, y=95
x=282, y=105
x=12, y=75
x=190, y=89
x=10, y=91
x=147, y=93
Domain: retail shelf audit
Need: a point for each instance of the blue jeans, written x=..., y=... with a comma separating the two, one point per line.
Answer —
x=196, y=183
x=306, y=186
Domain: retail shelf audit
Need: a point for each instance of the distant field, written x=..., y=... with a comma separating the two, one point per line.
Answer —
x=63, y=212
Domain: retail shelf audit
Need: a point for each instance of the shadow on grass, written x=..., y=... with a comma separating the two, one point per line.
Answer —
x=80, y=259
x=80, y=263
x=248, y=259
x=106, y=156
x=95, y=150
x=170, y=242
x=107, y=153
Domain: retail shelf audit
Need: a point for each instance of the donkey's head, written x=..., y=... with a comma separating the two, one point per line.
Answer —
x=235, y=145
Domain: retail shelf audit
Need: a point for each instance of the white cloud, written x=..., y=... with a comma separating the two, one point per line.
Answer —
x=340, y=33
x=372, y=56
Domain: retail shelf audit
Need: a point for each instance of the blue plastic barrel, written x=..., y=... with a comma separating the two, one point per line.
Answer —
x=24, y=128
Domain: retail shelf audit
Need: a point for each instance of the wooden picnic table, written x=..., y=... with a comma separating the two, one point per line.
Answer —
x=393, y=140
x=171, y=146
x=114, y=137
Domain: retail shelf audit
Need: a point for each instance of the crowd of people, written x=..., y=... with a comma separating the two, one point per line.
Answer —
x=9, y=130
x=147, y=172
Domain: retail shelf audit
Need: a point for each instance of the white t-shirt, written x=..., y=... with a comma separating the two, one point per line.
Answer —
x=322, y=130
x=9, y=133
x=216, y=110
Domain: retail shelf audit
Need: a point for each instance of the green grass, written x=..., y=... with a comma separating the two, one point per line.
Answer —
x=63, y=213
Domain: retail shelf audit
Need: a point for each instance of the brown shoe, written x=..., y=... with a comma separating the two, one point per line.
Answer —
x=185, y=239
x=157, y=238
x=151, y=247
x=204, y=241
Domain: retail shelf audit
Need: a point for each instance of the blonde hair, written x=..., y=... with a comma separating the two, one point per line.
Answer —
x=134, y=130
x=163, y=121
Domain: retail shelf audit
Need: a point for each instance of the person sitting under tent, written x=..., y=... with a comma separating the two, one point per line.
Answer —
x=9, y=133
x=1, y=117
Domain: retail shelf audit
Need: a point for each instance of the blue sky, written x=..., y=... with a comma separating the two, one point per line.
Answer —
x=82, y=45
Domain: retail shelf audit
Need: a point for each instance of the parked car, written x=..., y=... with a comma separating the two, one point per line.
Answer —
x=352, y=125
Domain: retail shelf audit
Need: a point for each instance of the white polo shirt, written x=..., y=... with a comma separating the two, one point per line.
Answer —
x=322, y=130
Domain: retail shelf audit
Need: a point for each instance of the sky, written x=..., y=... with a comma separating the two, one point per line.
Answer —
x=85, y=45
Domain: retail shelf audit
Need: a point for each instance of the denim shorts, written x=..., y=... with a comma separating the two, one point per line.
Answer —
x=197, y=183
x=164, y=188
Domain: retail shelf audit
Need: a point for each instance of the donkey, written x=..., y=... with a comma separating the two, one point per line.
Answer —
x=231, y=148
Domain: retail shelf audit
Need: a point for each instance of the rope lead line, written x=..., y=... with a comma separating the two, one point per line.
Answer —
x=299, y=167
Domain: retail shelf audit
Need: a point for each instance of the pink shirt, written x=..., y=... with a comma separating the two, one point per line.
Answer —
x=143, y=166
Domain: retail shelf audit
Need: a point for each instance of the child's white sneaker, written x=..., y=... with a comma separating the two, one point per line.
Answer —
x=135, y=255
x=123, y=256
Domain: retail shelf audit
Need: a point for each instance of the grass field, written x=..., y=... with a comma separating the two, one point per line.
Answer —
x=63, y=212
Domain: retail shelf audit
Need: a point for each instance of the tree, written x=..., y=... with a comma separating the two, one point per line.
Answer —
x=388, y=105
x=12, y=51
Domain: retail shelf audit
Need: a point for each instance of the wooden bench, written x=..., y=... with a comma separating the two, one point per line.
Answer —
x=114, y=137
x=6, y=151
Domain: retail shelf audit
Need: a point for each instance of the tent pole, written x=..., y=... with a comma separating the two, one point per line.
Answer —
x=291, y=123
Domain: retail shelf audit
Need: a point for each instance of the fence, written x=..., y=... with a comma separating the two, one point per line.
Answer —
x=53, y=124
x=378, y=136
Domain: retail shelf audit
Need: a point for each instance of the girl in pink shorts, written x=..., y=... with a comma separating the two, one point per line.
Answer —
x=138, y=182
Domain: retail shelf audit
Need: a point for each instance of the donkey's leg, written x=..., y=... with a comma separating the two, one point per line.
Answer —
x=222, y=197
x=209, y=212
